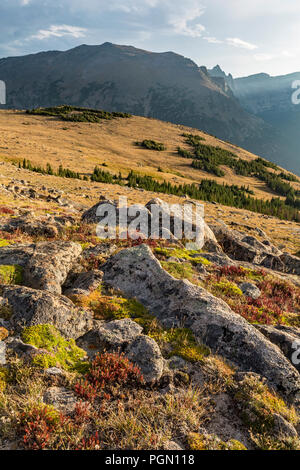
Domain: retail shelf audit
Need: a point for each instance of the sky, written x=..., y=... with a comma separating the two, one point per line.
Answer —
x=242, y=36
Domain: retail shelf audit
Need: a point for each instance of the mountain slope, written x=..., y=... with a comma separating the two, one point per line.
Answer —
x=270, y=99
x=166, y=86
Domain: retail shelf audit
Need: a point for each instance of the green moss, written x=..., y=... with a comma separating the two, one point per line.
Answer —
x=227, y=288
x=4, y=378
x=258, y=405
x=63, y=353
x=179, y=271
x=11, y=274
x=4, y=242
x=178, y=342
x=211, y=442
x=182, y=253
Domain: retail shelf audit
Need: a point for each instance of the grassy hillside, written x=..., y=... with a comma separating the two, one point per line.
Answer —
x=111, y=144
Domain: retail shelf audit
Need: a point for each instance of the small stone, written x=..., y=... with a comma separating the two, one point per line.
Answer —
x=54, y=371
x=62, y=399
x=2, y=353
x=250, y=290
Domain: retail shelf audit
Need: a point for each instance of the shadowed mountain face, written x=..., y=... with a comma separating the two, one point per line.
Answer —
x=166, y=86
x=270, y=98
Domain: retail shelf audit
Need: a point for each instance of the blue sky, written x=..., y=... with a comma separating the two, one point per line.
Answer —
x=243, y=36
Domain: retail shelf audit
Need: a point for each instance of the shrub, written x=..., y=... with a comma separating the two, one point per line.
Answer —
x=151, y=145
x=108, y=372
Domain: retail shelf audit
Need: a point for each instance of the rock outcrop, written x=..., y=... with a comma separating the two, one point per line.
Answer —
x=46, y=265
x=139, y=274
x=34, y=307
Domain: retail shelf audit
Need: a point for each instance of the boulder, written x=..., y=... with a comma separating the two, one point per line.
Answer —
x=111, y=336
x=46, y=265
x=176, y=219
x=90, y=216
x=34, y=307
x=145, y=353
x=243, y=247
x=139, y=274
x=291, y=263
x=286, y=338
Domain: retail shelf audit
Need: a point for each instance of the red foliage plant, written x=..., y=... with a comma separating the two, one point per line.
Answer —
x=107, y=371
x=6, y=210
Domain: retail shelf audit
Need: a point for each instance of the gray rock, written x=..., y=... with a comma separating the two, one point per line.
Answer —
x=176, y=220
x=144, y=352
x=62, y=399
x=138, y=274
x=55, y=371
x=286, y=338
x=33, y=307
x=243, y=247
x=46, y=265
x=31, y=226
x=220, y=259
x=82, y=283
x=2, y=353
x=90, y=216
x=282, y=427
x=111, y=336
x=118, y=334
x=250, y=290
x=178, y=363
x=291, y=263
x=104, y=250
x=20, y=348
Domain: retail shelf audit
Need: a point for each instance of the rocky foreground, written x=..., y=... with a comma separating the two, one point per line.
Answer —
x=145, y=344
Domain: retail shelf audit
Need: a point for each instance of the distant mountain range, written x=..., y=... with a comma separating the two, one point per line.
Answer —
x=254, y=112
x=270, y=98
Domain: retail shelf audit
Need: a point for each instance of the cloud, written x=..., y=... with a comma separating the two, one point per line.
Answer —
x=59, y=31
x=185, y=20
x=236, y=42
x=25, y=2
x=212, y=40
